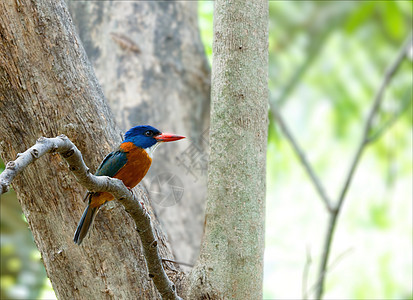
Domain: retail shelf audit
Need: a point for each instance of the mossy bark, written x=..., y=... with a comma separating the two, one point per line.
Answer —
x=231, y=261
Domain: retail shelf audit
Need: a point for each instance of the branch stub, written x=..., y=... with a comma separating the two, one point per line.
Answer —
x=54, y=148
x=68, y=153
x=35, y=153
x=4, y=188
x=11, y=165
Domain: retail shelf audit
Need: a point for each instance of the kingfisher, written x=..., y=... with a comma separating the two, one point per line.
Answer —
x=129, y=163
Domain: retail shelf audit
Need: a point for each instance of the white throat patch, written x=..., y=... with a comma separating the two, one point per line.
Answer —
x=151, y=150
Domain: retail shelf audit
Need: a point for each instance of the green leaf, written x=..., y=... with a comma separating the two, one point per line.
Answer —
x=360, y=15
x=393, y=19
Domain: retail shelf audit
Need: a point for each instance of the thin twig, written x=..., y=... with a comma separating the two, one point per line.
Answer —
x=406, y=102
x=73, y=156
x=306, y=270
x=302, y=157
x=178, y=262
x=329, y=269
x=363, y=143
x=313, y=51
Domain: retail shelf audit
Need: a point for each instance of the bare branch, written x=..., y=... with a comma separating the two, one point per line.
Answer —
x=313, y=50
x=302, y=157
x=405, y=103
x=178, y=262
x=330, y=267
x=363, y=143
x=306, y=270
x=73, y=156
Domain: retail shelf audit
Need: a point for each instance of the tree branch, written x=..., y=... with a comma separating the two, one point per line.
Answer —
x=330, y=267
x=405, y=103
x=313, y=50
x=73, y=156
x=306, y=270
x=302, y=157
x=363, y=143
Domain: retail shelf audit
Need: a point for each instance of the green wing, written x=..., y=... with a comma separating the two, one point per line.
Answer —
x=112, y=163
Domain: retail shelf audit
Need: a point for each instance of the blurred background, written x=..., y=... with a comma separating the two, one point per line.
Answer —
x=327, y=60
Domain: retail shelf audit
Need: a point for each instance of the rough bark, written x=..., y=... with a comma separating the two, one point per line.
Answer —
x=47, y=87
x=231, y=260
x=128, y=199
x=150, y=60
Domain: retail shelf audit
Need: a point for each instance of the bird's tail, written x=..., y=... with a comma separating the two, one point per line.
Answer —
x=84, y=223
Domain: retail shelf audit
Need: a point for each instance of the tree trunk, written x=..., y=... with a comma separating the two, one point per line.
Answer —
x=231, y=260
x=47, y=87
x=150, y=60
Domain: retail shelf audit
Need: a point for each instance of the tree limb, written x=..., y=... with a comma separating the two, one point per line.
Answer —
x=302, y=157
x=313, y=50
x=305, y=273
x=363, y=143
x=73, y=156
x=405, y=103
x=330, y=267
x=366, y=139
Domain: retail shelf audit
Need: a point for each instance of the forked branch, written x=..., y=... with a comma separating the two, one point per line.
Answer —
x=367, y=138
x=391, y=70
x=73, y=156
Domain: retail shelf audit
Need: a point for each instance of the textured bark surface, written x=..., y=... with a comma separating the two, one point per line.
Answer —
x=47, y=87
x=149, y=58
x=231, y=260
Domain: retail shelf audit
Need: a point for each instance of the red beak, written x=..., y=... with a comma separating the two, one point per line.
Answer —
x=168, y=137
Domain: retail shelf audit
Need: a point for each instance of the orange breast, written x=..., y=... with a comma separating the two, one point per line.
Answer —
x=131, y=173
x=137, y=166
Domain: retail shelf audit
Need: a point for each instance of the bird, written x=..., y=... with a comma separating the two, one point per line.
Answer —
x=129, y=163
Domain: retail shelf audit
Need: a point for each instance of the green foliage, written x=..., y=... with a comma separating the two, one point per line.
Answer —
x=205, y=12
x=359, y=16
x=393, y=20
x=22, y=274
x=327, y=60
x=379, y=217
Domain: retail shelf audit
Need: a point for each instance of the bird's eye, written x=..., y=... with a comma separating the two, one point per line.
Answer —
x=148, y=133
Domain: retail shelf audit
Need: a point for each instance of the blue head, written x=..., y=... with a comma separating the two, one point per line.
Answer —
x=145, y=136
